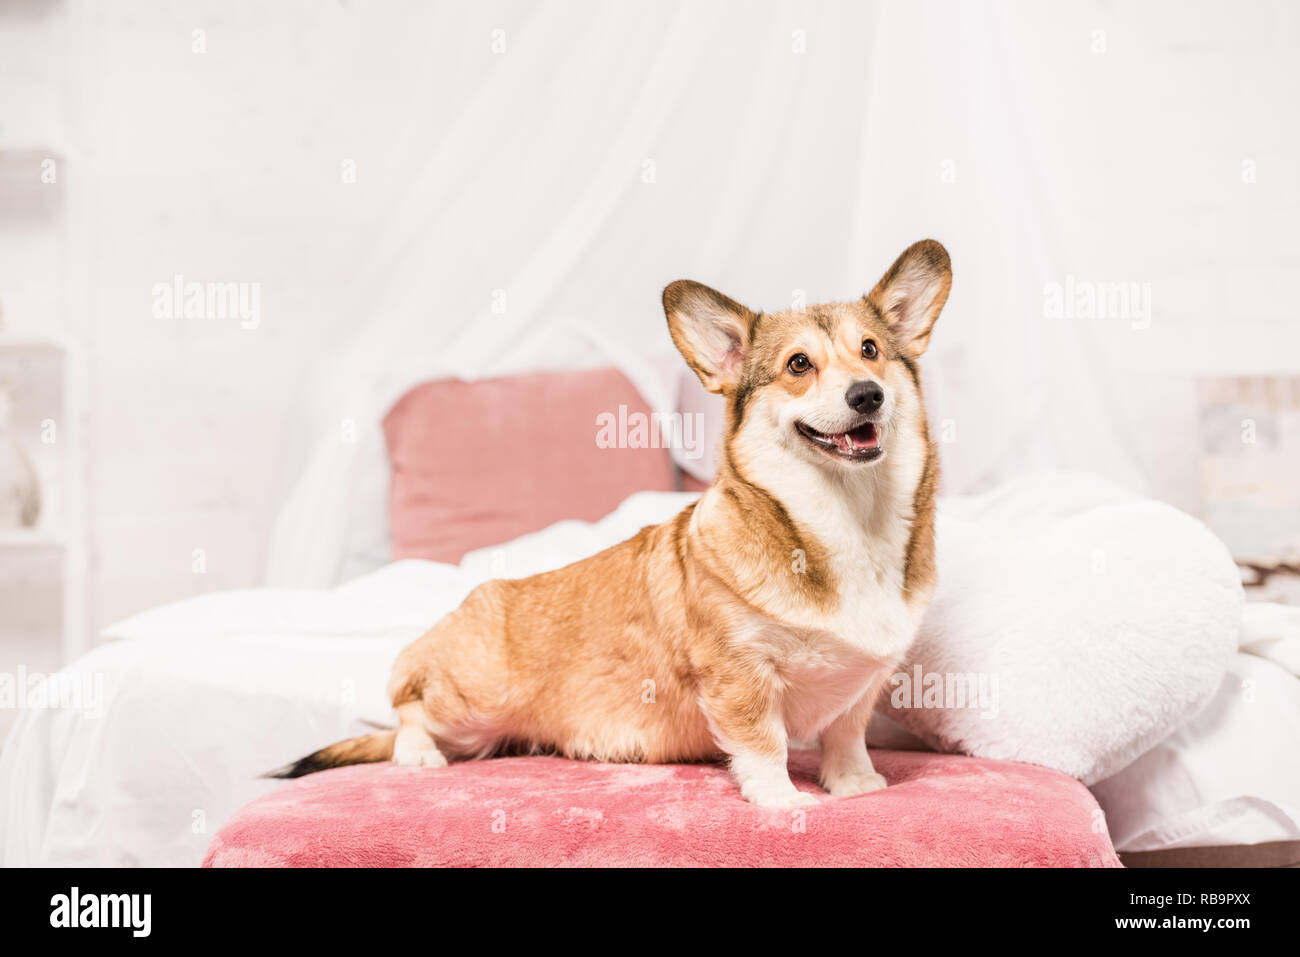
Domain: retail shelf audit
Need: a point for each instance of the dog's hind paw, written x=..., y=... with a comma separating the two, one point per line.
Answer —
x=424, y=758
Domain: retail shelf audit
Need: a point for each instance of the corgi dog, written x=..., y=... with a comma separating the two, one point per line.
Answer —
x=775, y=606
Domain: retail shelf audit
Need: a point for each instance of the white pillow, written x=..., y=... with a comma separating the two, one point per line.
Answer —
x=1085, y=623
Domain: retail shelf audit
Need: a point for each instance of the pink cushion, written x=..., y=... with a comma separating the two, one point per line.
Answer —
x=940, y=810
x=480, y=463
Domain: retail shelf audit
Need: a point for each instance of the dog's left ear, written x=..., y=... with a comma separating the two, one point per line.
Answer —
x=710, y=330
x=913, y=291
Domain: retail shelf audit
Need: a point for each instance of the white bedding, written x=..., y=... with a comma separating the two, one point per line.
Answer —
x=201, y=696
x=192, y=713
x=1230, y=775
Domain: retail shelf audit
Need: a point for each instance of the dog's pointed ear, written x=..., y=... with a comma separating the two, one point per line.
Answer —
x=913, y=291
x=710, y=330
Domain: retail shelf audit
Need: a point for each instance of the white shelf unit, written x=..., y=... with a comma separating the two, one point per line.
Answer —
x=17, y=538
x=41, y=373
x=44, y=616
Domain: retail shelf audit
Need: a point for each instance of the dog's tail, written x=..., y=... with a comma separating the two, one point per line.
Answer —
x=376, y=746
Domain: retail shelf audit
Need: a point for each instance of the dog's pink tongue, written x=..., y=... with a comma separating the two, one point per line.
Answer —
x=863, y=437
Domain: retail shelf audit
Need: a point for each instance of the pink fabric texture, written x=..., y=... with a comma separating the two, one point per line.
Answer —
x=480, y=463
x=939, y=810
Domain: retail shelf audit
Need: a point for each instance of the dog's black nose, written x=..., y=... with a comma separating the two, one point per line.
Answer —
x=865, y=396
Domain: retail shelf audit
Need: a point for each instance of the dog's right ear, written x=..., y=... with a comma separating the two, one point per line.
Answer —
x=710, y=330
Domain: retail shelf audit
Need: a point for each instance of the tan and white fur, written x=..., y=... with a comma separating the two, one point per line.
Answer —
x=774, y=607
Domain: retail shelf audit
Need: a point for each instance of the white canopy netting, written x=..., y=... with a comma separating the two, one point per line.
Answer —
x=572, y=158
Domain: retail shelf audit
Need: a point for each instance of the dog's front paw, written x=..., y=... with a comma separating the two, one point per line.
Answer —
x=770, y=796
x=854, y=783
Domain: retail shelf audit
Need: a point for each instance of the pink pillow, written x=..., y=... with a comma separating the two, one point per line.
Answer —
x=480, y=463
x=940, y=810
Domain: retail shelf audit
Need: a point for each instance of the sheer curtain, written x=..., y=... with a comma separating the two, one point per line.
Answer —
x=573, y=158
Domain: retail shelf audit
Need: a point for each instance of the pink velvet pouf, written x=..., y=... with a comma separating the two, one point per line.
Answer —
x=939, y=811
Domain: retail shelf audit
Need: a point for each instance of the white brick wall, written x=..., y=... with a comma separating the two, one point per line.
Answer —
x=221, y=166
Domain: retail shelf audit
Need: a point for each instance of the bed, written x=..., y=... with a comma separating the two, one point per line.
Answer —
x=187, y=704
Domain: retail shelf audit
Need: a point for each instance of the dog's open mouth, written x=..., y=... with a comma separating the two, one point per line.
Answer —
x=860, y=444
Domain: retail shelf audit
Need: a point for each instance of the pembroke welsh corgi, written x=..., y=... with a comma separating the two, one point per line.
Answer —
x=775, y=606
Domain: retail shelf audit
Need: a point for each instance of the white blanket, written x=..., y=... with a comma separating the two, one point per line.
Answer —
x=196, y=698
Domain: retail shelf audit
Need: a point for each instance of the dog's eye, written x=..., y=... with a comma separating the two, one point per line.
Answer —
x=869, y=350
x=798, y=364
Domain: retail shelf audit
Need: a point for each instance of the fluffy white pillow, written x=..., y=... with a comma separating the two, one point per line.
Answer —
x=1075, y=626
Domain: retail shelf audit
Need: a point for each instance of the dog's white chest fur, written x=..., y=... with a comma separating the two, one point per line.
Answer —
x=822, y=673
x=825, y=662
